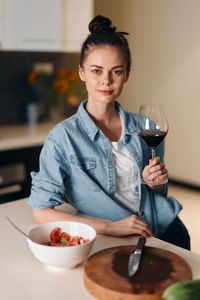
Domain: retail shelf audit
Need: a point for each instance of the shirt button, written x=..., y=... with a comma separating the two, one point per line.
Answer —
x=141, y=213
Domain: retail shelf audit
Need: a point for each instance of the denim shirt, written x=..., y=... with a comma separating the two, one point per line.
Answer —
x=76, y=163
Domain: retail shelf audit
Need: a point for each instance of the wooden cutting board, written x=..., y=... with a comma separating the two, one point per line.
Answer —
x=106, y=273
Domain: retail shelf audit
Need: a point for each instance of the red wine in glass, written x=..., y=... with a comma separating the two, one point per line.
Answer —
x=152, y=138
x=152, y=125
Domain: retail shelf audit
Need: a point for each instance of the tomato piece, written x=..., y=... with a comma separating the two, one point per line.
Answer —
x=55, y=235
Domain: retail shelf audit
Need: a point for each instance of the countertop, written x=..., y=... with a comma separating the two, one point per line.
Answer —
x=23, y=136
x=23, y=277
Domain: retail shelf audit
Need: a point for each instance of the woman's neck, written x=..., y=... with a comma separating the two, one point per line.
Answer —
x=107, y=119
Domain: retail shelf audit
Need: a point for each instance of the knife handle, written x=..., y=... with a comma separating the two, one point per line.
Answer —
x=140, y=244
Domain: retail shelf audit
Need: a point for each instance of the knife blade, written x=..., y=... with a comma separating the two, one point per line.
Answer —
x=135, y=257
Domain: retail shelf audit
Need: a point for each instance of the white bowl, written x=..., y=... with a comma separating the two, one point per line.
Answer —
x=66, y=257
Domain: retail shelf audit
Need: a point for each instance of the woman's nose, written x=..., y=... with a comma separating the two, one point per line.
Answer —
x=106, y=79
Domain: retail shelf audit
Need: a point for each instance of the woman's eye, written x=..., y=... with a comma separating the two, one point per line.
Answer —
x=117, y=72
x=96, y=71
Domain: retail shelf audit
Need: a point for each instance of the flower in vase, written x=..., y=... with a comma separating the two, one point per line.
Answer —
x=58, y=90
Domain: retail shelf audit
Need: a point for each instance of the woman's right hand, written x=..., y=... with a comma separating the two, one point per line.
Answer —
x=132, y=225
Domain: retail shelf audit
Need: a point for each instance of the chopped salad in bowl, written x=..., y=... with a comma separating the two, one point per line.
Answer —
x=62, y=244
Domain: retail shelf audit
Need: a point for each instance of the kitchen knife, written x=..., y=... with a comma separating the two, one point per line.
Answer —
x=135, y=257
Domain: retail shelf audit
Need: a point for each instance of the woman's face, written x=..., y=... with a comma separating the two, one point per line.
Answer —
x=104, y=73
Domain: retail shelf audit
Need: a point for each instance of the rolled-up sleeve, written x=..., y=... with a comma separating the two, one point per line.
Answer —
x=48, y=184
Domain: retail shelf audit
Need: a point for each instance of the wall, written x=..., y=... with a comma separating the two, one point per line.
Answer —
x=164, y=40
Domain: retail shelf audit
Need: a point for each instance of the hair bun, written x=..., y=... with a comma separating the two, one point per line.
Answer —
x=101, y=24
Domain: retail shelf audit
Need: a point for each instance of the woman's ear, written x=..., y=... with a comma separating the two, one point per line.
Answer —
x=81, y=73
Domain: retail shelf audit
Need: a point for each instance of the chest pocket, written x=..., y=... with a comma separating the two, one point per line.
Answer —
x=85, y=163
x=83, y=170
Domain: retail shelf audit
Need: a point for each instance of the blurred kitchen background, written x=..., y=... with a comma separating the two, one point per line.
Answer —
x=40, y=42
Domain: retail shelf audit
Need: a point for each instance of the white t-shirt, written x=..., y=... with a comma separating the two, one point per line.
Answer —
x=126, y=170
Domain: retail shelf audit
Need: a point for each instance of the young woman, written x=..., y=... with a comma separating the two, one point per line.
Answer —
x=95, y=161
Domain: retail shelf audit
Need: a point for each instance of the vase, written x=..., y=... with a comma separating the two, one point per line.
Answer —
x=63, y=108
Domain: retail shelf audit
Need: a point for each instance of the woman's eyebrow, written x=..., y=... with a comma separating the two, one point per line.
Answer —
x=115, y=67
x=96, y=66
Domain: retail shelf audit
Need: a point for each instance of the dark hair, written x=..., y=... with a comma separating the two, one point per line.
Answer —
x=102, y=33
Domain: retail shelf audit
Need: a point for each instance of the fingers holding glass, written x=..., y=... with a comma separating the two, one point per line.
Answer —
x=155, y=173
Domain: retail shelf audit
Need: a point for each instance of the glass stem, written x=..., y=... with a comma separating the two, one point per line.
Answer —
x=153, y=153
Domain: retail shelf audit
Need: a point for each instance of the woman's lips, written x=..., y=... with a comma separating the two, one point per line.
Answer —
x=106, y=92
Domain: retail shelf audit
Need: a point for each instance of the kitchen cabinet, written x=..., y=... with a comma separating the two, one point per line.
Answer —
x=38, y=24
x=77, y=15
x=44, y=25
x=1, y=23
x=7, y=22
x=15, y=168
x=1, y=33
x=20, y=148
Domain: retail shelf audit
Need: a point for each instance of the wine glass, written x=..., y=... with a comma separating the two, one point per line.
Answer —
x=152, y=125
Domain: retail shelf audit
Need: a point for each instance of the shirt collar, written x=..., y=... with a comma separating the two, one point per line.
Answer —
x=87, y=121
x=92, y=129
x=128, y=119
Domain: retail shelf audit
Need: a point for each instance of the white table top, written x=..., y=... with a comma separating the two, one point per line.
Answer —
x=23, y=136
x=23, y=277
